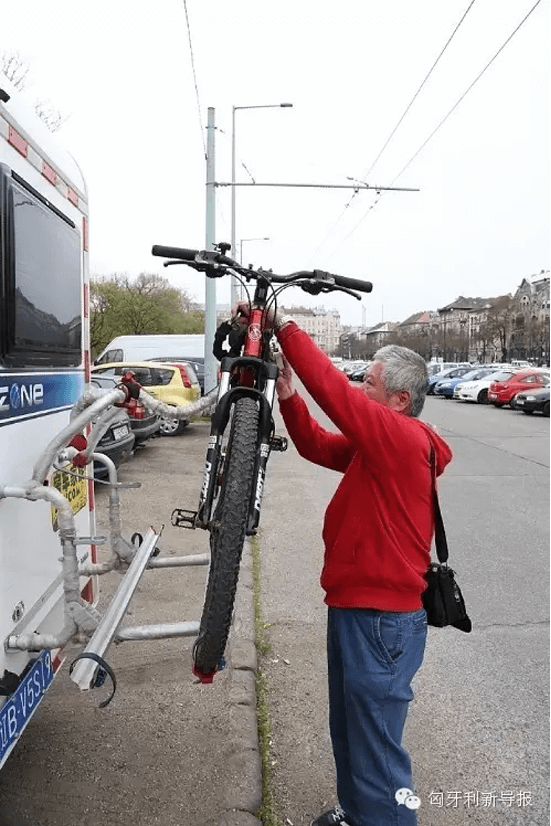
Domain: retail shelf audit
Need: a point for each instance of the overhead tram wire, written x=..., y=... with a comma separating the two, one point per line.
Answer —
x=195, y=80
x=408, y=107
x=444, y=119
x=410, y=104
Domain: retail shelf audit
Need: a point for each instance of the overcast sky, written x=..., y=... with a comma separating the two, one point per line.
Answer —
x=479, y=224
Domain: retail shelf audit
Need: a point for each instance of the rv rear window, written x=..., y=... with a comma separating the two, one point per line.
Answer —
x=43, y=282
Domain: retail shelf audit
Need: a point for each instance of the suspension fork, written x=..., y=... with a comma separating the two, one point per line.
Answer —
x=227, y=398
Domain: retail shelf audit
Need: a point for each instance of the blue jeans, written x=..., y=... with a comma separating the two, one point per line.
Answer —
x=372, y=658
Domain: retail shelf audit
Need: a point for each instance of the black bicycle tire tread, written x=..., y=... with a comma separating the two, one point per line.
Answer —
x=228, y=539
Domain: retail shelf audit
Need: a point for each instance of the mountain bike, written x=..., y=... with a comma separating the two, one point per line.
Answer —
x=242, y=432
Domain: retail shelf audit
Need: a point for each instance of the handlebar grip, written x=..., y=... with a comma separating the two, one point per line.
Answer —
x=353, y=283
x=174, y=252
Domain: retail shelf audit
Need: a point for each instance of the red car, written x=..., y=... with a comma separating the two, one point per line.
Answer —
x=512, y=382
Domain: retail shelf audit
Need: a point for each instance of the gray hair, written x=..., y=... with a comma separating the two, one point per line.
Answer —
x=404, y=369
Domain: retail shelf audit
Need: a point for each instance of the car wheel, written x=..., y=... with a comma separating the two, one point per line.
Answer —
x=546, y=409
x=482, y=397
x=171, y=427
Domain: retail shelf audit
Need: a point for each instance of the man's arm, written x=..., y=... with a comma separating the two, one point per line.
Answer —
x=366, y=424
x=313, y=442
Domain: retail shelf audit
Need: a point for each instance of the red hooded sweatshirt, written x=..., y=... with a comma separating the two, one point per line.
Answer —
x=379, y=525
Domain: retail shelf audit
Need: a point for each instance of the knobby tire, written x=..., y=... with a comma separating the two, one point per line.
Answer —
x=228, y=536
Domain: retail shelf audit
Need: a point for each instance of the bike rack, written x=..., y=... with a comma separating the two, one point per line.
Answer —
x=83, y=620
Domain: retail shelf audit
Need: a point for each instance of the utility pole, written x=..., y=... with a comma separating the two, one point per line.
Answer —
x=210, y=239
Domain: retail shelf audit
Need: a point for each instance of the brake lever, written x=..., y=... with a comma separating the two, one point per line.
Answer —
x=349, y=292
x=208, y=269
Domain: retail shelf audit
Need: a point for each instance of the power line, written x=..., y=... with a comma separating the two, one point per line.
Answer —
x=408, y=107
x=444, y=119
x=410, y=104
x=195, y=80
x=465, y=93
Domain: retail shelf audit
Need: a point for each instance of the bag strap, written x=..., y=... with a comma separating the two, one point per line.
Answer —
x=439, y=532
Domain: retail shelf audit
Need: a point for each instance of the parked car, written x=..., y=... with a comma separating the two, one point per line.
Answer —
x=450, y=373
x=435, y=367
x=143, y=428
x=505, y=387
x=359, y=373
x=447, y=386
x=352, y=366
x=197, y=366
x=117, y=443
x=532, y=401
x=475, y=391
x=173, y=384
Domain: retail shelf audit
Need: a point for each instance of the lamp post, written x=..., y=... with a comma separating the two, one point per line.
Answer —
x=242, y=241
x=234, y=110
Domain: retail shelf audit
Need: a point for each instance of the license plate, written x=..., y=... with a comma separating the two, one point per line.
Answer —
x=74, y=489
x=17, y=711
x=120, y=432
x=519, y=401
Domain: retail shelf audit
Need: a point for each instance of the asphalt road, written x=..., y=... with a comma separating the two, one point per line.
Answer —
x=478, y=727
x=169, y=751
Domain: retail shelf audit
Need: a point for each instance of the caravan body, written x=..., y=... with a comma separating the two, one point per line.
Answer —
x=44, y=365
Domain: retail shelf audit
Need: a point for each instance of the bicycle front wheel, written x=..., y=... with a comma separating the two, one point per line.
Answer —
x=227, y=538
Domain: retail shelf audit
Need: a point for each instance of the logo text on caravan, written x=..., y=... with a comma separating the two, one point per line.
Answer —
x=21, y=396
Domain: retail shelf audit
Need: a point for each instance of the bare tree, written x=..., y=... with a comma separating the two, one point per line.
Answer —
x=17, y=71
x=15, y=68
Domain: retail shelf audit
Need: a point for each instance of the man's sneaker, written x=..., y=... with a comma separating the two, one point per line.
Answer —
x=334, y=817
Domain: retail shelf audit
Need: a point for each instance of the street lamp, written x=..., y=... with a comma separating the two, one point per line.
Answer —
x=241, y=246
x=234, y=110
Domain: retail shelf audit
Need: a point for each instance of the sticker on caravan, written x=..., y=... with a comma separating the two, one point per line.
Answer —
x=28, y=396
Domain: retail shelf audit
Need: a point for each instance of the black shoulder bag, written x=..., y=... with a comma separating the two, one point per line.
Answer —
x=442, y=599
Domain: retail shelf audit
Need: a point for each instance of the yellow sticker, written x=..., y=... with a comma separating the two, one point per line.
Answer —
x=73, y=488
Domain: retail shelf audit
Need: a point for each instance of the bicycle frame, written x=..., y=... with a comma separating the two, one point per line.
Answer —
x=255, y=376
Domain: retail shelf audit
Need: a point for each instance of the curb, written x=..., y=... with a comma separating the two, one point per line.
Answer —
x=243, y=792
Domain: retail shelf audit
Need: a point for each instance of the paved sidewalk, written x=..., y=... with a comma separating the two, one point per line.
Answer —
x=167, y=750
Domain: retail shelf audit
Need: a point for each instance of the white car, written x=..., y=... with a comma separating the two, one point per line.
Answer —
x=476, y=391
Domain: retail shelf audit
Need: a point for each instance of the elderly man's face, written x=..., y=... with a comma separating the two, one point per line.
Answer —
x=373, y=384
x=374, y=387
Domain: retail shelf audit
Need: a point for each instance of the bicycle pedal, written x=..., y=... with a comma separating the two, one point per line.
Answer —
x=184, y=519
x=279, y=443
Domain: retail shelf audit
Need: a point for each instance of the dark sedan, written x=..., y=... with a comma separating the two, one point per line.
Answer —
x=142, y=428
x=533, y=401
x=117, y=443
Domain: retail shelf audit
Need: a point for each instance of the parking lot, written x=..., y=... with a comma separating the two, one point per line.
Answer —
x=478, y=726
x=164, y=750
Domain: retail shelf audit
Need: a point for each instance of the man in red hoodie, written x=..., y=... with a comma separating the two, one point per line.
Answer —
x=377, y=534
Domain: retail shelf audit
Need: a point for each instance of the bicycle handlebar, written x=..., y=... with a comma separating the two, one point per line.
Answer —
x=174, y=252
x=191, y=256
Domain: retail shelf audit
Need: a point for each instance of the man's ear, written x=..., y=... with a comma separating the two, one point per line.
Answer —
x=400, y=400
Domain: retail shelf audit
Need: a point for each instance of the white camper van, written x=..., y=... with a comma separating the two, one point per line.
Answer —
x=170, y=348
x=51, y=422
x=44, y=365
x=147, y=348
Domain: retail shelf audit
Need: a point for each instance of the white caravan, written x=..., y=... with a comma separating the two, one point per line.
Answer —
x=43, y=366
x=50, y=424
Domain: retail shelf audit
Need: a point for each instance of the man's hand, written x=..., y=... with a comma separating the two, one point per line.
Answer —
x=284, y=384
x=241, y=311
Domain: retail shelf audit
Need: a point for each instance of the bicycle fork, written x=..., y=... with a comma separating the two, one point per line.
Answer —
x=266, y=442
